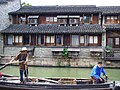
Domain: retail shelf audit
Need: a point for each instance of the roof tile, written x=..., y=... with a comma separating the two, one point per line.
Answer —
x=58, y=9
x=54, y=29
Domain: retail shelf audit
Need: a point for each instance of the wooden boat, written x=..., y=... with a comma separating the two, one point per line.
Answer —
x=12, y=83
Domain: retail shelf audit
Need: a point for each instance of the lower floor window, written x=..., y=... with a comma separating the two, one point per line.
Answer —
x=59, y=39
x=18, y=39
x=113, y=42
x=93, y=39
x=117, y=41
x=50, y=39
x=65, y=40
x=10, y=39
x=82, y=41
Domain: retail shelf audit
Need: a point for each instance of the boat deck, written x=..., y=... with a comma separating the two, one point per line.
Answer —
x=33, y=83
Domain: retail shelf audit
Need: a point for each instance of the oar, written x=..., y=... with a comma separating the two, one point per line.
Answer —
x=8, y=63
x=5, y=65
x=12, y=63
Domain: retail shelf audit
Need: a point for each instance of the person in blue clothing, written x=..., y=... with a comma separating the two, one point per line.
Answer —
x=96, y=73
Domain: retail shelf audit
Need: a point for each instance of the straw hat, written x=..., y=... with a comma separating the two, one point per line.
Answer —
x=23, y=49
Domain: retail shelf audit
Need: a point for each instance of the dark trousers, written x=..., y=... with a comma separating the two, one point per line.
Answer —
x=98, y=80
x=23, y=72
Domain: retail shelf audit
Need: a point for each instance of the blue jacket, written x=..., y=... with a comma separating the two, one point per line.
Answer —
x=96, y=71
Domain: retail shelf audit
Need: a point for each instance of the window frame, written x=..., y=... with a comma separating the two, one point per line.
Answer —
x=94, y=39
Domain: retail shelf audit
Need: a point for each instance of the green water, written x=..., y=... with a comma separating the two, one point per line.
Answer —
x=114, y=74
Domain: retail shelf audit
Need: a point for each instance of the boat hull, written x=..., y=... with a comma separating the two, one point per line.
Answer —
x=16, y=86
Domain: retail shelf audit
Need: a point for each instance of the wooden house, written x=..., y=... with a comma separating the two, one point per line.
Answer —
x=51, y=28
x=111, y=23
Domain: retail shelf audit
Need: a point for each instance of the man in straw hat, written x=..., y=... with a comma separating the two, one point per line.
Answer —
x=23, y=58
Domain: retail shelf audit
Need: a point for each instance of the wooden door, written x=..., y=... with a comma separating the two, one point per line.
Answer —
x=66, y=40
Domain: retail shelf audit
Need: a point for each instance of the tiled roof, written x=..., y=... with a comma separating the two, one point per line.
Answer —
x=51, y=29
x=3, y=1
x=110, y=9
x=112, y=27
x=58, y=9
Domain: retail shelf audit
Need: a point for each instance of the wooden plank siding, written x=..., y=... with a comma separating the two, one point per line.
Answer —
x=14, y=21
x=42, y=19
x=95, y=19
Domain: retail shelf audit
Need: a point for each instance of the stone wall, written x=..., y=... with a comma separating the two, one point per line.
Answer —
x=5, y=8
x=43, y=57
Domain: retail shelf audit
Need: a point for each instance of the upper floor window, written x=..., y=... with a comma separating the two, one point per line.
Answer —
x=87, y=18
x=62, y=21
x=22, y=20
x=33, y=20
x=73, y=21
x=51, y=19
x=111, y=19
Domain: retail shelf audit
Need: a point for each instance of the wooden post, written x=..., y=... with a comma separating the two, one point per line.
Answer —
x=17, y=19
x=36, y=40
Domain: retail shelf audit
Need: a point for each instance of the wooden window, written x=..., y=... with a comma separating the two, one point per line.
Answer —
x=55, y=19
x=50, y=39
x=18, y=39
x=9, y=39
x=33, y=21
x=117, y=41
x=22, y=20
x=82, y=41
x=59, y=39
x=111, y=19
x=51, y=19
x=62, y=21
x=40, y=39
x=47, y=19
x=87, y=18
x=93, y=39
x=75, y=40
x=73, y=21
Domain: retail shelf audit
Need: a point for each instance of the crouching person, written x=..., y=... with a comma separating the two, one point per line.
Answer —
x=96, y=73
x=22, y=58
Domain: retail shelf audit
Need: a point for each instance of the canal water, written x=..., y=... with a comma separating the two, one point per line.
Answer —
x=113, y=74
